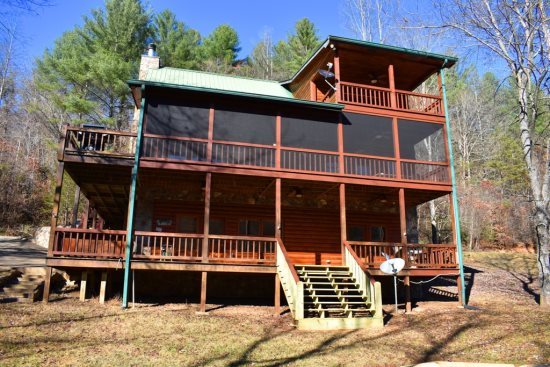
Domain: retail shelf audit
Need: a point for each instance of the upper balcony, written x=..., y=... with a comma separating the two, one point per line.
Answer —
x=373, y=78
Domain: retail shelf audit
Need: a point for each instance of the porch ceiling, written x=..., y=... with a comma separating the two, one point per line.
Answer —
x=107, y=188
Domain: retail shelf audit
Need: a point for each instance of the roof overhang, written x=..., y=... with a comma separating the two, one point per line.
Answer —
x=138, y=85
x=437, y=60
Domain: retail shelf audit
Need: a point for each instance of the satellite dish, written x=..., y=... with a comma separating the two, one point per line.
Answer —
x=392, y=266
x=326, y=74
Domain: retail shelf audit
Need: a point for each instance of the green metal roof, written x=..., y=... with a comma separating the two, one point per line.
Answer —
x=201, y=79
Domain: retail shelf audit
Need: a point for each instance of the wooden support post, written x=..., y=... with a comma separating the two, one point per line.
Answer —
x=210, y=134
x=397, y=152
x=202, y=308
x=47, y=285
x=76, y=201
x=391, y=79
x=278, y=216
x=337, y=75
x=206, y=225
x=343, y=224
x=408, y=303
x=56, y=202
x=83, y=281
x=341, y=163
x=312, y=91
x=277, y=295
x=403, y=225
x=86, y=215
x=103, y=287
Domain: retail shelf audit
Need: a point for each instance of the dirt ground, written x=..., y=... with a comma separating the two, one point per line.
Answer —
x=504, y=325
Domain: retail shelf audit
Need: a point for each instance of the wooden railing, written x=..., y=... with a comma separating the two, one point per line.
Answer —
x=290, y=281
x=243, y=154
x=417, y=102
x=174, y=148
x=309, y=160
x=239, y=249
x=372, y=96
x=99, y=142
x=168, y=246
x=425, y=171
x=89, y=243
x=369, y=166
x=432, y=256
x=365, y=95
x=183, y=149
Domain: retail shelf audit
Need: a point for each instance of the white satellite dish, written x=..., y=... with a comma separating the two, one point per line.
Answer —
x=392, y=266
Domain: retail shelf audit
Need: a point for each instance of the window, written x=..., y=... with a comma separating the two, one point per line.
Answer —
x=356, y=234
x=187, y=224
x=370, y=135
x=216, y=226
x=421, y=141
x=377, y=234
x=249, y=227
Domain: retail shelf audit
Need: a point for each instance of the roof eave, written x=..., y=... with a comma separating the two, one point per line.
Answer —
x=317, y=105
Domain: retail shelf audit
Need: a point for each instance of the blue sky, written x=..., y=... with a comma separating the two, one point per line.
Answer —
x=251, y=18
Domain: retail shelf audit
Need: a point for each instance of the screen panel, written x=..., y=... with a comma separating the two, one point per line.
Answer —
x=421, y=141
x=367, y=134
x=310, y=130
x=246, y=127
x=178, y=117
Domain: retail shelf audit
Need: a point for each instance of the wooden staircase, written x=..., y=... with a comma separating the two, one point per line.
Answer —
x=333, y=292
x=27, y=287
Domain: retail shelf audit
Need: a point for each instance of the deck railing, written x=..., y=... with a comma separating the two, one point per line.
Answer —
x=183, y=149
x=240, y=249
x=89, y=243
x=425, y=171
x=167, y=246
x=99, y=142
x=372, y=96
x=431, y=256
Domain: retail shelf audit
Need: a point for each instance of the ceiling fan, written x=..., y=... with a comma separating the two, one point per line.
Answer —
x=377, y=78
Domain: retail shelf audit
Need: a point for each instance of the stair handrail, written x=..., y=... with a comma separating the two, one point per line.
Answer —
x=295, y=291
x=372, y=288
x=356, y=268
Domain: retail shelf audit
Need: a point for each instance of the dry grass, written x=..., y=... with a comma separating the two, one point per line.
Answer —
x=68, y=332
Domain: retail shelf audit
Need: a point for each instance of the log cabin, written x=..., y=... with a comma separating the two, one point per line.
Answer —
x=311, y=182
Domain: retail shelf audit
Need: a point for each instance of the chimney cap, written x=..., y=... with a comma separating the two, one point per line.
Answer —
x=151, y=49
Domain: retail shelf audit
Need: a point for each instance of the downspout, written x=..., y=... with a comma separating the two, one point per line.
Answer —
x=453, y=181
x=132, y=202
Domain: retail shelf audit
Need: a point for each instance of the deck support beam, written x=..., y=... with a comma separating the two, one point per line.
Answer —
x=277, y=309
x=343, y=224
x=132, y=202
x=56, y=202
x=408, y=303
x=202, y=308
x=83, y=285
x=207, y=190
x=103, y=287
x=47, y=285
x=278, y=218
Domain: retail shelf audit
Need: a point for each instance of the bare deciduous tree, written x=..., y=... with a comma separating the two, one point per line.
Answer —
x=517, y=32
x=370, y=20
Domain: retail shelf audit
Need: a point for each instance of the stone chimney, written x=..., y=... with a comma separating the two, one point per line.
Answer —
x=149, y=60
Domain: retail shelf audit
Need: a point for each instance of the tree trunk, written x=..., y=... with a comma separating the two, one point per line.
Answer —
x=543, y=254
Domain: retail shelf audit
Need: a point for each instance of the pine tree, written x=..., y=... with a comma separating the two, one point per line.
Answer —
x=220, y=49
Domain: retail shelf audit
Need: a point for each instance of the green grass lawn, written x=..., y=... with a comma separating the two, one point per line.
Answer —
x=68, y=332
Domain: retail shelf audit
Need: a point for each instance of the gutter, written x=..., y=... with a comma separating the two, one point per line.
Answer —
x=312, y=104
